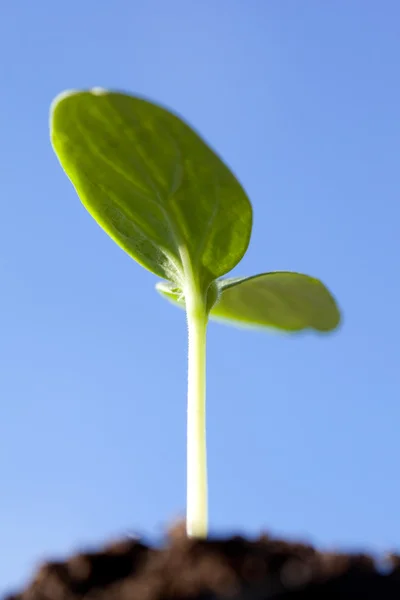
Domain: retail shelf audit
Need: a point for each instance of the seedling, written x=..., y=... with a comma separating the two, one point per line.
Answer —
x=171, y=203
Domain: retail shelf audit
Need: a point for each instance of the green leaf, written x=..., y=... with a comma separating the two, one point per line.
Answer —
x=281, y=300
x=152, y=184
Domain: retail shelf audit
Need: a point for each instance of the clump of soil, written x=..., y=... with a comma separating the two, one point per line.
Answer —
x=235, y=568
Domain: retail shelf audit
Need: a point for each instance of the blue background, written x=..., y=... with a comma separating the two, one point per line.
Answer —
x=302, y=100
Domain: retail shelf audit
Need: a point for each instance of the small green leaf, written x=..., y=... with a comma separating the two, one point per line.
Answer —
x=152, y=184
x=281, y=300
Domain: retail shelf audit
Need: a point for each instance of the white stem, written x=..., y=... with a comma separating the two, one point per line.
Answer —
x=197, y=509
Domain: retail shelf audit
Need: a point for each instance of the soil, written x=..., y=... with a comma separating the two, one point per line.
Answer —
x=213, y=569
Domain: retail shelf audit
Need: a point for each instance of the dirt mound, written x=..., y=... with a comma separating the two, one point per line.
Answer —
x=216, y=568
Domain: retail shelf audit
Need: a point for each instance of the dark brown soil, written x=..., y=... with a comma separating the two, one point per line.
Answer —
x=217, y=568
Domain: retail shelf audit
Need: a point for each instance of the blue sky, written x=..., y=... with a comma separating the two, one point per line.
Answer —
x=302, y=101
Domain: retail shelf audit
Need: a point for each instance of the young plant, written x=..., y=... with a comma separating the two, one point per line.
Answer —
x=171, y=203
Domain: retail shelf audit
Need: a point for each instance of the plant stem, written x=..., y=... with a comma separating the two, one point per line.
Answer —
x=197, y=509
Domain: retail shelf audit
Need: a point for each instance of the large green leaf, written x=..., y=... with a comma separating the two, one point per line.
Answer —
x=152, y=184
x=281, y=300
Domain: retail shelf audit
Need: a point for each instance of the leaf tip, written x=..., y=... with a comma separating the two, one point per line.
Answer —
x=99, y=91
x=62, y=96
x=58, y=101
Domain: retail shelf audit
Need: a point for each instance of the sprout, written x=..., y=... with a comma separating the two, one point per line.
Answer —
x=164, y=196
